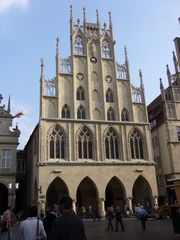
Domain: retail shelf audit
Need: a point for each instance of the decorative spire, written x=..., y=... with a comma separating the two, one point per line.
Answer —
x=126, y=55
x=71, y=20
x=141, y=78
x=9, y=104
x=1, y=98
x=42, y=68
x=110, y=24
x=57, y=57
x=168, y=75
x=84, y=16
x=57, y=46
x=97, y=16
x=78, y=22
x=161, y=85
x=105, y=26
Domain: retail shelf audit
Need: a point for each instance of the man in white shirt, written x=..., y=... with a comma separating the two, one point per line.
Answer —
x=31, y=228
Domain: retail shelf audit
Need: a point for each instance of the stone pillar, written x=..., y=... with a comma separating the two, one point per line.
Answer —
x=155, y=200
x=74, y=206
x=101, y=207
x=130, y=204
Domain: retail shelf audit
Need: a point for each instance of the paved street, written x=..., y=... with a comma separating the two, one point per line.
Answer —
x=156, y=230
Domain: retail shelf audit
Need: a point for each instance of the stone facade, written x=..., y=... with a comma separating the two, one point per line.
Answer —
x=93, y=137
x=8, y=157
x=164, y=117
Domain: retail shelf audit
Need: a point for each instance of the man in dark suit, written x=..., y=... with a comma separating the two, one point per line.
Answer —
x=68, y=226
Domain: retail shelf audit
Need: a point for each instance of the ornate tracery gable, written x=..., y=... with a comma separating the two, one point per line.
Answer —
x=57, y=143
x=136, y=144
x=111, y=141
x=85, y=142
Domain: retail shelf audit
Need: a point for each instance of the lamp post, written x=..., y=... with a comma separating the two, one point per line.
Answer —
x=13, y=187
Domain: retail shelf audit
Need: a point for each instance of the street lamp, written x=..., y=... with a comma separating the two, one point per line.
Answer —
x=13, y=187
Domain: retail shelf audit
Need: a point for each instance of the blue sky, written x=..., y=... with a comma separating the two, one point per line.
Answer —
x=28, y=31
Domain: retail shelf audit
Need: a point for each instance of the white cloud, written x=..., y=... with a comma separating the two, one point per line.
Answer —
x=6, y=5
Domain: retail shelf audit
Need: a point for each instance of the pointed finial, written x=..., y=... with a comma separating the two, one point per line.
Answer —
x=84, y=15
x=168, y=75
x=141, y=78
x=97, y=15
x=57, y=45
x=71, y=16
x=168, y=71
x=105, y=26
x=175, y=62
x=1, y=98
x=42, y=68
x=140, y=74
x=126, y=55
x=78, y=22
x=161, y=84
x=9, y=104
x=110, y=21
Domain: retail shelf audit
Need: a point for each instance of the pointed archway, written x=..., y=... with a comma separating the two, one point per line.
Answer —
x=87, y=194
x=3, y=198
x=55, y=191
x=142, y=192
x=115, y=194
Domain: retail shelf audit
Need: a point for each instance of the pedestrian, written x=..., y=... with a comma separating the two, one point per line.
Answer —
x=50, y=217
x=68, y=226
x=136, y=210
x=96, y=214
x=142, y=213
x=109, y=217
x=118, y=219
x=6, y=227
x=32, y=228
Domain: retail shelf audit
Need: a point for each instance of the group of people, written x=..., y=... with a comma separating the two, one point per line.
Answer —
x=110, y=215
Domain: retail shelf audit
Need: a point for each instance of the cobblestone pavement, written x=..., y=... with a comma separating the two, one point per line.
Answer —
x=156, y=230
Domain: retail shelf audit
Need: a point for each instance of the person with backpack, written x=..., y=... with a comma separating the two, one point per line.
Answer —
x=109, y=217
x=142, y=213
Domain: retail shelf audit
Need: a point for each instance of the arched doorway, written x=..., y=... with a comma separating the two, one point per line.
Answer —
x=55, y=191
x=87, y=194
x=142, y=192
x=115, y=194
x=3, y=198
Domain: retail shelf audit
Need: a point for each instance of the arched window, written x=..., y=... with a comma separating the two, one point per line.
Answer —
x=79, y=46
x=57, y=143
x=81, y=113
x=136, y=145
x=85, y=144
x=65, y=111
x=109, y=95
x=110, y=114
x=124, y=115
x=111, y=144
x=106, y=52
x=80, y=94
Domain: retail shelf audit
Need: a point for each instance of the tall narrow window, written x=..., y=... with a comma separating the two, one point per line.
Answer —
x=80, y=94
x=6, y=158
x=79, y=46
x=109, y=95
x=106, y=52
x=65, y=111
x=81, y=114
x=124, y=115
x=178, y=132
x=57, y=143
x=85, y=144
x=110, y=114
x=136, y=145
x=111, y=144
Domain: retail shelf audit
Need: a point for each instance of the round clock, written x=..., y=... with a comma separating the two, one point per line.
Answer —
x=93, y=60
x=80, y=76
x=108, y=78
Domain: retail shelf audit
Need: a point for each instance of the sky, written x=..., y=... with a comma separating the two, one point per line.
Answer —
x=28, y=32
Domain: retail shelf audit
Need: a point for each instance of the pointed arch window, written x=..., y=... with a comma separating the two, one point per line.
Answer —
x=111, y=114
x=79, y=46
x=80, y=94
x=85, y=144
x=109, y=95
x=111, y=144
x=81, y=113
x=106, y=52
x=57, y=143
x=124, y=115
x=136, y=145
x=65, y=111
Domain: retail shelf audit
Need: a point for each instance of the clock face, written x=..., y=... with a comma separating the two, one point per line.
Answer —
x=108, y=78
x=93, y=60
x=80, y=76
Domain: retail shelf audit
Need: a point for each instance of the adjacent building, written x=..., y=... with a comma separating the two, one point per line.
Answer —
x=164, y=117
